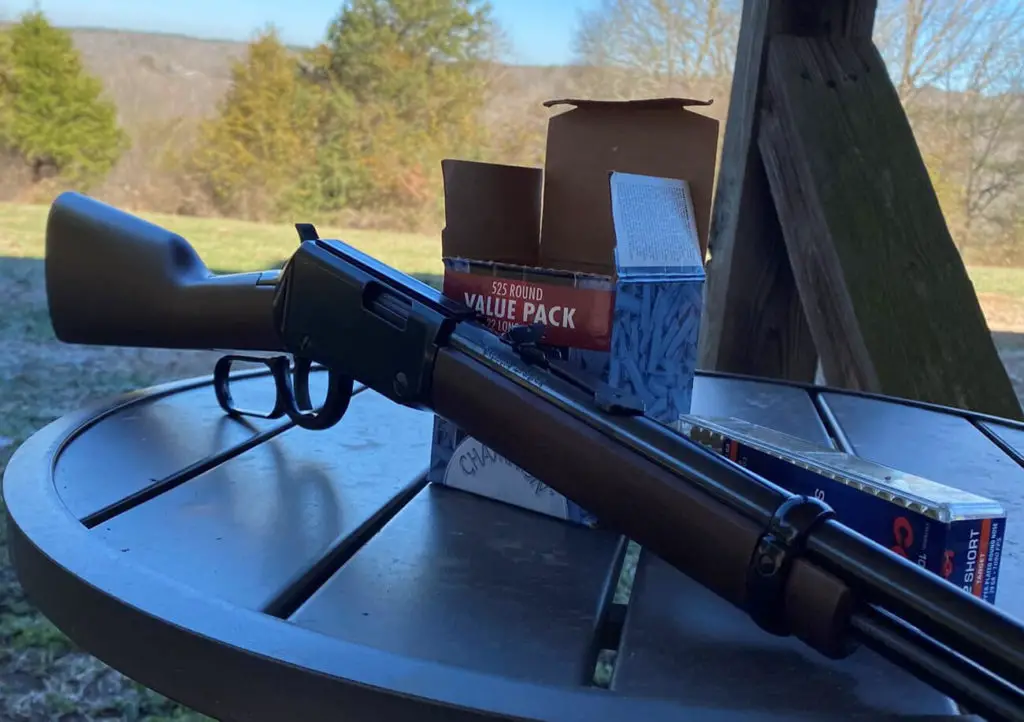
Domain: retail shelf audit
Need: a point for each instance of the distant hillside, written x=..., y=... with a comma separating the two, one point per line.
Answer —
x=155, y=77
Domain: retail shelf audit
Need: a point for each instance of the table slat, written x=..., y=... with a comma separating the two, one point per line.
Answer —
x=1013, y=438
x=474, y=583
x=947, y=449
x=247, y=529
x=784, y=408
x=694, y=647
x=147, y=441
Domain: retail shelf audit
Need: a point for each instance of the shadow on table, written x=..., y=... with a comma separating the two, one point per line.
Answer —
x=761, y=677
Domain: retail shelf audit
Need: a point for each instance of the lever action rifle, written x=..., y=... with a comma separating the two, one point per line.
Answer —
x=115, y=279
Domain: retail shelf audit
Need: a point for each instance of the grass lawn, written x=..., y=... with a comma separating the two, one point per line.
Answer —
x=233, y=245
x=998, y=280
x=42, y=675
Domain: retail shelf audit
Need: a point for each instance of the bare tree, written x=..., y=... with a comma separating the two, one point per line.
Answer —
x=924, y=41
x=659, y=47
x=986, y=123
x=957, y=66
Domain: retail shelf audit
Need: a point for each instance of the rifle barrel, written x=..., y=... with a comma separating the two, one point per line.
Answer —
x=705, y=515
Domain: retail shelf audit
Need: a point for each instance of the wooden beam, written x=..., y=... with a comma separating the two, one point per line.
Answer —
x=745, y=278
x=764, y=332
x=753, y=320
x=886, y=294
x=836, y=18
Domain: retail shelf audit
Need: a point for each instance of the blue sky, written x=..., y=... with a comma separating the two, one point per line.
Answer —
x=540, y=30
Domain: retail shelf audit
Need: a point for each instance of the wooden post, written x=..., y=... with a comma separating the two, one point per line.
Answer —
x=827, y=239
x=754, y=322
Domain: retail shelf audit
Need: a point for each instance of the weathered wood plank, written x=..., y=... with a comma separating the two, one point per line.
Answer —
x=839, y=18
x=886, y=294
x=755, y=323
x=858, y=18
x=753, y=320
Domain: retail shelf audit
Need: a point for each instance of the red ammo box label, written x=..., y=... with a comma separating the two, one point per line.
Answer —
x=574, y=316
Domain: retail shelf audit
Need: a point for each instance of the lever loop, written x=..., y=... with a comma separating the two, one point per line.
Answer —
x=295, y=397
x=291, y=397
x=222, y=387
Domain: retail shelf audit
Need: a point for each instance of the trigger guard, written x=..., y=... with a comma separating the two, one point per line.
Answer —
x=300, y=384
x=296, y=399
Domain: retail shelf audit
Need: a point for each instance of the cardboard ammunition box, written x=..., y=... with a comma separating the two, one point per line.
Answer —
x=952, y=533
x=604, y=246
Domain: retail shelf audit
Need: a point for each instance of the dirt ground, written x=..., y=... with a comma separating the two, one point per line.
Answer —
x=43, y=677
x=1005, y=315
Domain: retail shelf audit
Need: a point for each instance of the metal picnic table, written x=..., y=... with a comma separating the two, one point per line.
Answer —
x=255, y=571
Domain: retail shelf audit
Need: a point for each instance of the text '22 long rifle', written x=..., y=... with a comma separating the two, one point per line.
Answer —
x=115, y=279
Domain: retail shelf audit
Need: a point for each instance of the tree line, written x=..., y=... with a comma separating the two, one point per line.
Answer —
x=359, y=122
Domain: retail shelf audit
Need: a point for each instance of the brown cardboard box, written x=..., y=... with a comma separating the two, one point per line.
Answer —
x=605, y=246
x=493, y=211
x=658, y=137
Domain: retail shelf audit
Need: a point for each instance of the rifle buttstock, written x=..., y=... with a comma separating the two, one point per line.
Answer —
x=114, y=279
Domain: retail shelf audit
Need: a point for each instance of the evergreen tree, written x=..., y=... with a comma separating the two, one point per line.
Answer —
x=358, y=123
x=252, y=153
x=404, y=50
x=339, y=176
x=414, y=69
x=52, y=112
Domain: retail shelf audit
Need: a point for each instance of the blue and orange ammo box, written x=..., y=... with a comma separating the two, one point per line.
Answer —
x=953, y=533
